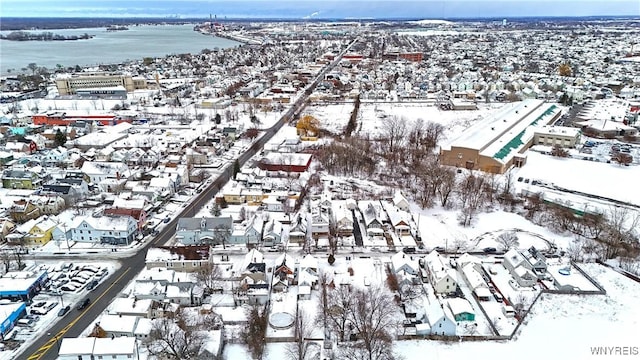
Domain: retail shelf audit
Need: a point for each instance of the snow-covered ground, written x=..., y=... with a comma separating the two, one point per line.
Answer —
x=559, y=327
x=372, y=116
x=608, y=180
x=439, y=228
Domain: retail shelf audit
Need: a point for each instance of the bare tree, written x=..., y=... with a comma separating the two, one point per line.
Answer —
x=255, y=330
x=209, y=275
x=338, y=303
x=508, y=240
x=373, y=317
x=303, y=329
x=575, y=250
x=175, y=337
x=471, y=197
x=394, y=132
x=7, y=259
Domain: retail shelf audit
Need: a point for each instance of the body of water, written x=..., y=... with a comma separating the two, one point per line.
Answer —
x=106, y=47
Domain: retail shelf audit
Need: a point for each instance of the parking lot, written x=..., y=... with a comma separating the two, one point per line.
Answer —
x=69, y=284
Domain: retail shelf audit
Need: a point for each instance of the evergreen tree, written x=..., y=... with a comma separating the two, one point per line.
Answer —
x=60, y=138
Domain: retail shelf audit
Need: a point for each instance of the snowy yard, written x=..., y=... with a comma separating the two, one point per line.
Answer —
x=559, y=327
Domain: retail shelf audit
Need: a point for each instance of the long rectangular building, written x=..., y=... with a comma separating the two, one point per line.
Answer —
x=497, y=142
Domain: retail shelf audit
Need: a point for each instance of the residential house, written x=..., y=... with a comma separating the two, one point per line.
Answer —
x=283, y=273
x=140, y=215
x=132, y=306
x=520, y=268
x=320, y=229
x=249, y=232
x=179, y=258
x=400, y=201
x=273, y=204
x=233, y=195
x=36, y=231
x=471, y=272
x=165, y=186
x=21, y=147
x=71, y=190
x=400, y=220
x=272, y=234
x=108, y=176
x=116, y=348
x=441, y=276
x=342, y=218
x=120, y=230
x=253, y=197
x=56, y=157
x=307, y=276
x=440, y=319
x=20, y=179
x=209, y=230
x=23, y=210
x=461, y=309
x=253, y=277
x=6, y=227
x=298, y=230
x=371, y=215
x=537, y=260
x=118, y=325
x=48, y=204
x=403, y=263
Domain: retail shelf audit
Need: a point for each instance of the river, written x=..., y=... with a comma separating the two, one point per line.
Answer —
x=106, y=47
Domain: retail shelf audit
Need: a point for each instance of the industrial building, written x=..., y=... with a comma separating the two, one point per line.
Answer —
x=497, y=142
x=70, y=84
x=21, y=285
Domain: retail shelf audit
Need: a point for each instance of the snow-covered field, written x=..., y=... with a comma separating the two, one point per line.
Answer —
x=439, y=228
x=372, y=115
x=602, y=179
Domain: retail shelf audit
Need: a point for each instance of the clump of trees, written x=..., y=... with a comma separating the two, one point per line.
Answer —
x=362, y=319
x=182, y=335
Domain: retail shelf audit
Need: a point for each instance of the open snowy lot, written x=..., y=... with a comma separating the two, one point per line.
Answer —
x=372, y=116
x=608, y=180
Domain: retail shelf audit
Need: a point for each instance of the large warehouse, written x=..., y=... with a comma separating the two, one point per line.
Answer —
x=497, y=142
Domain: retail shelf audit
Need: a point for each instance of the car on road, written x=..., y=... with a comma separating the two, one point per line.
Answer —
x=490, y=250
x=83, y=304
x=92, y=285
x=64, y=310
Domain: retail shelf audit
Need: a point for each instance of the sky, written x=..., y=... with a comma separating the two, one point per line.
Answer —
x=330, y=9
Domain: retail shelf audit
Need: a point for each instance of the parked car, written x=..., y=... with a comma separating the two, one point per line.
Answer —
x=498, y=297
x=64, y=310
x=83, y=304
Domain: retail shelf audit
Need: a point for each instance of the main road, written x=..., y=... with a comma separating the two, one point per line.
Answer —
x=74, y=323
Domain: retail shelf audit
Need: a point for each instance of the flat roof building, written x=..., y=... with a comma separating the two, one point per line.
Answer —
x=497, y=142
x=69, y=84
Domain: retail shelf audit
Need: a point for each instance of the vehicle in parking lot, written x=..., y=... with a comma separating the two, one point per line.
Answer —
x=83, y=304
x=68, y=287
x=64, y=310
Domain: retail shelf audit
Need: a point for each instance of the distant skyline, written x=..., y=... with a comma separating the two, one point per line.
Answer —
x=331, y=9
